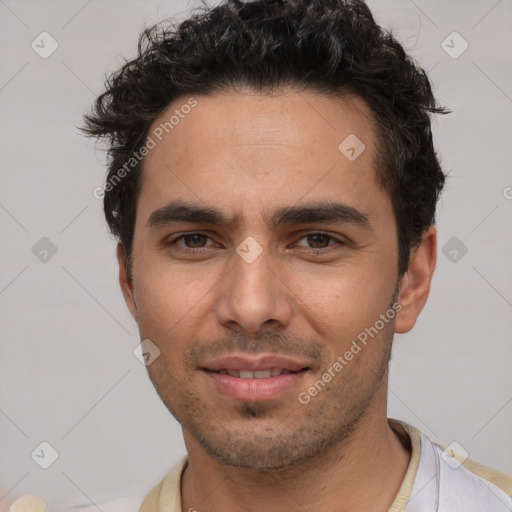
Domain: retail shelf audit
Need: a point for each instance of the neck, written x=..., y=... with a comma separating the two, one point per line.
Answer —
x=361, y=472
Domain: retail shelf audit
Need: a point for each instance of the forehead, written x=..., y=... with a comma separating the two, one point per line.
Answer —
x=260, y=149
x=286, y=119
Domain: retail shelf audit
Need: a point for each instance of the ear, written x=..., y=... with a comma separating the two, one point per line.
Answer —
x=415, y=283
x=125, y=281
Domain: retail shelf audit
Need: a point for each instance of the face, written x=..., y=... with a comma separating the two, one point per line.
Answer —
x=262, y=254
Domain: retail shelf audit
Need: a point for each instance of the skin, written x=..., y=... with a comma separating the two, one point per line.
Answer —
x=247, y=154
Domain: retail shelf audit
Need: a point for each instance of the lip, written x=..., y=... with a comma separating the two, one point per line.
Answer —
x=255, y=389
x=254, y=363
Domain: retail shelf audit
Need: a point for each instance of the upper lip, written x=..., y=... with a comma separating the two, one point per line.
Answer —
x=254, y=363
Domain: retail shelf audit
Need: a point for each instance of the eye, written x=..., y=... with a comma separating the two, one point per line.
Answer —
x=192, y=241
x=320, y=242
x=195, y=243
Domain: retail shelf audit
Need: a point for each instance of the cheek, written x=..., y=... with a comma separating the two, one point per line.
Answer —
x=344, y=305
x=169, y=302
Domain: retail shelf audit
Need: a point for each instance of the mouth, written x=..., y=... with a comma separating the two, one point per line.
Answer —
x=255, y=374
x=254, y=378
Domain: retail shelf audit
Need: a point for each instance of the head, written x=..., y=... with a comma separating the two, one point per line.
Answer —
x=272, y=184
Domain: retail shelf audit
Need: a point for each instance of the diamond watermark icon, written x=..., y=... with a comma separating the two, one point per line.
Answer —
x=454, y=249
x=454, y=45
x=44, y=455
x=44, y=45
x=448, y=455
x=146, y=352
x=44, y=250
x=249, y=249
x=352, y=147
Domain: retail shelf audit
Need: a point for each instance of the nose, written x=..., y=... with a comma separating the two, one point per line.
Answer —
x=254, y=296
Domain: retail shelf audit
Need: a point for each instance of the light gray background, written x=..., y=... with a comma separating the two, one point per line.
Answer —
x=68, y=373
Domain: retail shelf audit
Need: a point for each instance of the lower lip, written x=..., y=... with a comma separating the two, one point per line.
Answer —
x=254, y=390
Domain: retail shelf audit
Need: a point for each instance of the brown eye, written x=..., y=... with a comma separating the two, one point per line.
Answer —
x=318, y=240
x=320, y=244
x=194, y=240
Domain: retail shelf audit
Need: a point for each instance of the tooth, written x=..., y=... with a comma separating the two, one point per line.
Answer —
x=262, y=374
x=234, y=373
x=285, y=371
x=275, y=372
x=246, y=374
x=223, y=372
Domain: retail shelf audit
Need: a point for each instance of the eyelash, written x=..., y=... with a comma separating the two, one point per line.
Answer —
x=326, y=250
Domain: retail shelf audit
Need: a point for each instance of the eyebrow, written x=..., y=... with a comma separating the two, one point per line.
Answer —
x=315, y=212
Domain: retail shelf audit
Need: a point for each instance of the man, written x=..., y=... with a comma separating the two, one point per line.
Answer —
x=272, y=183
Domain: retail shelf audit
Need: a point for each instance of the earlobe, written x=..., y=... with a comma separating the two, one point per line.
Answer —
x=415, y=283
x=125, y=281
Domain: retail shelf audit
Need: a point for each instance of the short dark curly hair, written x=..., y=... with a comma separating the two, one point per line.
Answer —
x=333, y=47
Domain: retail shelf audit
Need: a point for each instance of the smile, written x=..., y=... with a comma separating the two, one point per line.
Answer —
x=256, y=374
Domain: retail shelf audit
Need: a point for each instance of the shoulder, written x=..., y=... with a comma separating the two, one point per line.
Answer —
x=125, y=504
x=501, y=480
x=167, y=491
x=458, y=482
